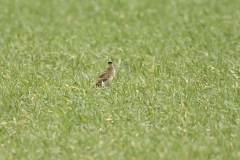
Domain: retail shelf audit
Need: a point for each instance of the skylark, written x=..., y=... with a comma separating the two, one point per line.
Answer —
x=105, y=77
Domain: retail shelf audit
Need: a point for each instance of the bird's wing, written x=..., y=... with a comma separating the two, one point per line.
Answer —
x=100, y=81
x=104, y=75
x=102, y=78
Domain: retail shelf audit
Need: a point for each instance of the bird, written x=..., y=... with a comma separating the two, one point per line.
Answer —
x=106, y=77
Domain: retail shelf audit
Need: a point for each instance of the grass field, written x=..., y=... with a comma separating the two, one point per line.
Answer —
x=176, y=94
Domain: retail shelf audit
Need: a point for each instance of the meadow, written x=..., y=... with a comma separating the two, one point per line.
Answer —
x=176, y=94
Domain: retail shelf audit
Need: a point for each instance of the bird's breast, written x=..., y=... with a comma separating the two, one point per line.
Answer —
x=110, y=78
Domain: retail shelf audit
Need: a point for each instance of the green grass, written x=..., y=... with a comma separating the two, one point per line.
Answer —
x=176, y=94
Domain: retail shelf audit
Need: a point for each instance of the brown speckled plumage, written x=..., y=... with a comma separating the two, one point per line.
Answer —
x=106, y=76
